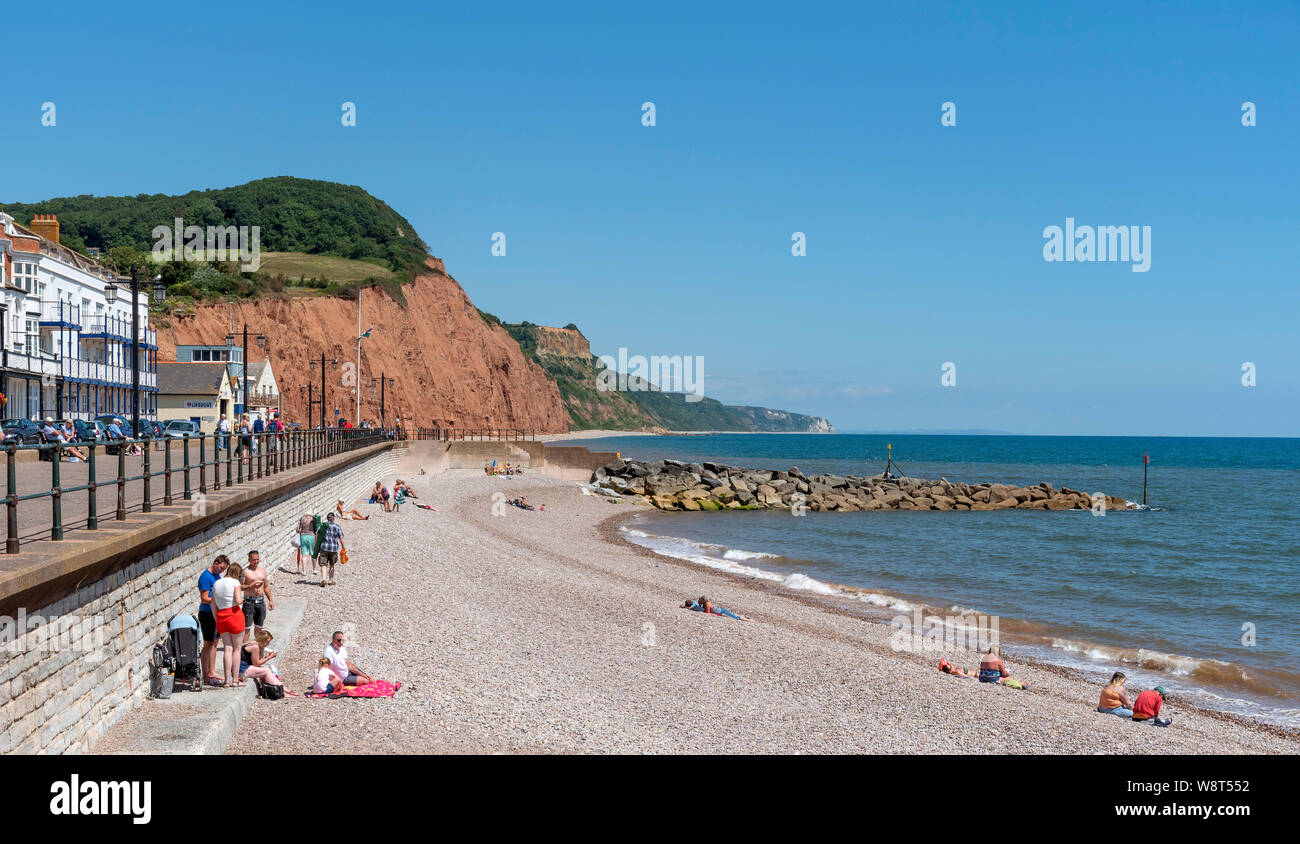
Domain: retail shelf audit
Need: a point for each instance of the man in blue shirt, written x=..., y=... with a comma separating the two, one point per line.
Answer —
x=208, y=618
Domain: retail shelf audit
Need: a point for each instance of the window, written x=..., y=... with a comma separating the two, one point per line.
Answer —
x=25, y=276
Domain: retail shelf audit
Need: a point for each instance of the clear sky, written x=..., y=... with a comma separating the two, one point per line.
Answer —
x=924, y=242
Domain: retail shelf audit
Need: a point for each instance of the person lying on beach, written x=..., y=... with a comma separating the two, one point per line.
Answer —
x=351, y=514
x=523, y=504
x=948, y=668
x=1147, y=707
x=427, y=507
x=1114, y=699
x=706, y=606
x=994, y=670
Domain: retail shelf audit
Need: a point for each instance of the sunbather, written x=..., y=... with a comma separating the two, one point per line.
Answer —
x=994, y=670
x=704, y=605
x=948, y=668
x=351, y=514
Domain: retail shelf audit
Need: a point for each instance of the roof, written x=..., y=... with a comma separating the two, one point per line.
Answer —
x=190, y=379
x=255, y=369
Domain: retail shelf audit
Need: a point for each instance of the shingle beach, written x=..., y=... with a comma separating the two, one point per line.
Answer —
x=544, y=632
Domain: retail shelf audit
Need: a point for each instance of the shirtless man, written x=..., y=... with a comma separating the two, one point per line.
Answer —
x=257, y=595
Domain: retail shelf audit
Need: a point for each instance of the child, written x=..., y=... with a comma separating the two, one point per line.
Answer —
x=327, y=681
x=399, y=496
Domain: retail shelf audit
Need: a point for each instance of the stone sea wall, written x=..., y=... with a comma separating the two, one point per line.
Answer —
x=674, y=485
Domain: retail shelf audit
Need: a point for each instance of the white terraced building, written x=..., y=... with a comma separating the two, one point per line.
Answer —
x=65, y=330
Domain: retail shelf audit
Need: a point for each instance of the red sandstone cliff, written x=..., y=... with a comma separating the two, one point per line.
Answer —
x=450, y=368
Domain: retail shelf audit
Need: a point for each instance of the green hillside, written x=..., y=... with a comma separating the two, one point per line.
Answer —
x=293, y=216
x=633, y=409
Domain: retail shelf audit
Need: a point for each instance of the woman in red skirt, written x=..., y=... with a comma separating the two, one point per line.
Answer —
x=228, y=601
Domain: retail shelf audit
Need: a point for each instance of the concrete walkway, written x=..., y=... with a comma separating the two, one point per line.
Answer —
x=193, y=723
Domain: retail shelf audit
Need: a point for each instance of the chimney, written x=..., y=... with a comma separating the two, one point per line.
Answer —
x=47, y=226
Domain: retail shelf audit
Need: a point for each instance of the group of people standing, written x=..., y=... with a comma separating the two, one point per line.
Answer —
x=248, y=444
x=233, y=604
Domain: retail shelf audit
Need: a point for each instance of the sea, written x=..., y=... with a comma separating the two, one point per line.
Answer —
x=1198, y=591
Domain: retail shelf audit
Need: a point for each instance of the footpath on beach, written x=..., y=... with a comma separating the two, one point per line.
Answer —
x=541, y=631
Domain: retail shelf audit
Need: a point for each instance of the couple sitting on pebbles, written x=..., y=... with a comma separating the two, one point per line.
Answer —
x=704, y=605
x=1145, y=708
x=992, y=670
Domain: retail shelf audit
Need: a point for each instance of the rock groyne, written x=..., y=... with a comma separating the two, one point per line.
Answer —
x=676, y=485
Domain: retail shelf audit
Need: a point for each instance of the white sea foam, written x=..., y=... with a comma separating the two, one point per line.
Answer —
x=741, y=554
x=805, y=583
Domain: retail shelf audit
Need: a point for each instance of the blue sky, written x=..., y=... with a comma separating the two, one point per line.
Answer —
x=924, y=242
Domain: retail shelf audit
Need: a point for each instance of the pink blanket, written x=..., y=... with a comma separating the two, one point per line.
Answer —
x=379, y=688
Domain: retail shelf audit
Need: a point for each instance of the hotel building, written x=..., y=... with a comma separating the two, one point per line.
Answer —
x=65, y=330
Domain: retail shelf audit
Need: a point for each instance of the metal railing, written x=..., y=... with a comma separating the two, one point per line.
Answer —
x=208, y=462
x=482, y=434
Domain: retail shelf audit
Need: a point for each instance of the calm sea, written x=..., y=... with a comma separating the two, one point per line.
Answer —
x=1199, y=593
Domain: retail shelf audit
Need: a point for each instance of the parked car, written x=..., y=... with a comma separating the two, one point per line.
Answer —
x=21, y=431
x=89, y=432
x=147, y=429
x=180, y=428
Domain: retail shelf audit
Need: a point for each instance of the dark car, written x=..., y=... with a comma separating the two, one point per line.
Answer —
x=22, y=431
x=89, y=432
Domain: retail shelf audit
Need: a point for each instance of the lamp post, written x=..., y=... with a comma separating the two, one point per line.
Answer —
x=322, y=386
x=383, y=381
x=110, y=296
x=261, y=342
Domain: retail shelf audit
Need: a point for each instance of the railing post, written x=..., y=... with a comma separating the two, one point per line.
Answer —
x=56, y=494
x=259, y=445
x=243, y=452
x=11, y=544
x=92, y=512
x=229, y=446
x=167, y=478
x=186, y=474
x=121, y=480
x=148, y=491
x=203, y=466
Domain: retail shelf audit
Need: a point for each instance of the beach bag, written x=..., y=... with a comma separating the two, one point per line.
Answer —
x=343, y=556
x=269, y=692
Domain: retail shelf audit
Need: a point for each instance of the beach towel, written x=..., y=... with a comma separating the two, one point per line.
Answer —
x=379, y=688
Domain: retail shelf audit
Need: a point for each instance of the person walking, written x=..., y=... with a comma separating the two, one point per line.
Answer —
x=223, y=431
x=330, y=547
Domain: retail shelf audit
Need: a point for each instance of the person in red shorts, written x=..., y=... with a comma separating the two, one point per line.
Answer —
x=1147, y=707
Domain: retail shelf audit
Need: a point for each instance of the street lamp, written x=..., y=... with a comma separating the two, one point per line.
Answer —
x=312, y=365
x=383, y=380
x=261, y=343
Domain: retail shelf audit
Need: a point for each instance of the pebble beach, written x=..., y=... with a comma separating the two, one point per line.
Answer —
x=545, y=632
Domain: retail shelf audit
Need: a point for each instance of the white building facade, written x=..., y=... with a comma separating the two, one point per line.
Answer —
x=65, y=330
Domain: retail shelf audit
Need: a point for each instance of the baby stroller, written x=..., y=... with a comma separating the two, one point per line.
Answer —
x=183, y=636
